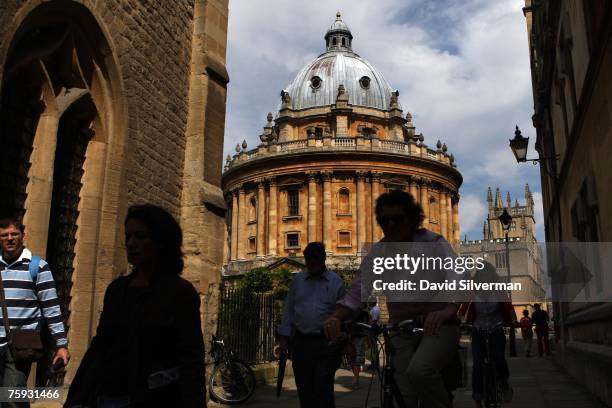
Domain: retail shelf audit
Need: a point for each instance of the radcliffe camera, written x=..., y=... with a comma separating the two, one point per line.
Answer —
x=302, y=204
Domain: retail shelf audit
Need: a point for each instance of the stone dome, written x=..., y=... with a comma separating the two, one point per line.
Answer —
x=317, y=83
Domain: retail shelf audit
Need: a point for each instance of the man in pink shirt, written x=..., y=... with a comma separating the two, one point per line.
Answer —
x=419, y=361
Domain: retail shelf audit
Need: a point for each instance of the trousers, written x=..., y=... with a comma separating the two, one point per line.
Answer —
x=314, y=366
x=14, y=375
x=418, y=365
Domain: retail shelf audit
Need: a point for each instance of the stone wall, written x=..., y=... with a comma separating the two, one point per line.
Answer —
x=157, y=139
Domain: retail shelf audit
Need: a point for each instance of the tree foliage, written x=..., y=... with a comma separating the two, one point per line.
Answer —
x=260, y=280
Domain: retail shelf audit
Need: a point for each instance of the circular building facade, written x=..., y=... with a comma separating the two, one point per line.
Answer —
x=339, y=140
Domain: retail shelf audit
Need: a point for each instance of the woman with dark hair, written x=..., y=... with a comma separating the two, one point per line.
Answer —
x=148, y=350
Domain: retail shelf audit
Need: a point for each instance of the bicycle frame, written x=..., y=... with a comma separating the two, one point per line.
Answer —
x=491, y=386
x=389, y=386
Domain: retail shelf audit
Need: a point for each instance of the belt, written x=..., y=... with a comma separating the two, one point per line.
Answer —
x=310, y=335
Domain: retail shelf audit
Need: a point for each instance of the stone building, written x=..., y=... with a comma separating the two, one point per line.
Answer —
x=105, y=104
x=570, y=46
x=338, y=140
x=525, y=255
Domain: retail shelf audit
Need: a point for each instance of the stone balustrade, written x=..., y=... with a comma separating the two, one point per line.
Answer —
x=340, y=144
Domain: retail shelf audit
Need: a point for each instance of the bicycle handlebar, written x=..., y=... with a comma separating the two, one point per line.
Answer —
x=405, y=326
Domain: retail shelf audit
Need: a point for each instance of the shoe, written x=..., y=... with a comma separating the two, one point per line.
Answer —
x=508, y=393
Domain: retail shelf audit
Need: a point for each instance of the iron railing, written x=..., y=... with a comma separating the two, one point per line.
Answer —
x=247, y=323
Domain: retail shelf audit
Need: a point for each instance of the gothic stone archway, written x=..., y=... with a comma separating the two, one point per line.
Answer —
x=62, y=119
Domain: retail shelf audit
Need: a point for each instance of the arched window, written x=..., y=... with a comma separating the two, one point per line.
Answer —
x=343, y=42
x=433, y=209
x=252, y=209
x=334, y=41
x=344, y=201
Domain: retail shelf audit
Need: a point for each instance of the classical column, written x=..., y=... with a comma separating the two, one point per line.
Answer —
x=327, y=211
x=449, y=216
x=443, y=214
x=425, y=200
x=312, y=206
x=361, y=216
x=457, y=233
x=376, y=231
x=241, y=223
x=412, y=183
x=261, y=218
x=234, y=238
x=272, y=216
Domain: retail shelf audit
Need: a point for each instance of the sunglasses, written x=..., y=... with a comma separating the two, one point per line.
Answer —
x=396, y=219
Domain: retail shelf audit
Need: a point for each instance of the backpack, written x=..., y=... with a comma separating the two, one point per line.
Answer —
x=34, y=267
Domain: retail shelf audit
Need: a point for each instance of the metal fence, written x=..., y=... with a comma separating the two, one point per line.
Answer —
x=247, y=323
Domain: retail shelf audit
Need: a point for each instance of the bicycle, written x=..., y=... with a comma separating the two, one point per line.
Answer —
x=231, y=381
x=389, y=389
x=492, y=388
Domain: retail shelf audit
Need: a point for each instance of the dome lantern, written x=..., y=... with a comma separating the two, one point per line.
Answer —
x=338, y=36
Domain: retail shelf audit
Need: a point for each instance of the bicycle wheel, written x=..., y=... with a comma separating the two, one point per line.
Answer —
x=231, y=383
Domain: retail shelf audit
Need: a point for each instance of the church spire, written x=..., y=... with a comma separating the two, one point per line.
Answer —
x=528, y=198
x=498, y=199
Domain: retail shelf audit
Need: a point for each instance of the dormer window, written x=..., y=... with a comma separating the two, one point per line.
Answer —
x=315, y=82
x=364, y=82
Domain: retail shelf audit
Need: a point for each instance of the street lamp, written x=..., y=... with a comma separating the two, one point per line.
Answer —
x=519, y=147
x=506, y=220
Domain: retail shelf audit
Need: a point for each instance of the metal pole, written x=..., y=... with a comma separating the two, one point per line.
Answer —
x=512, y=348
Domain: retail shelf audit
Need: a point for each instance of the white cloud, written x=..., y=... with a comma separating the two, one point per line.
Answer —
x=539, y=215
x=472, y=214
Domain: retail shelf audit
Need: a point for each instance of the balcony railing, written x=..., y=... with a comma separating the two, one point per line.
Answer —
x=293, y=145
x=342, y=143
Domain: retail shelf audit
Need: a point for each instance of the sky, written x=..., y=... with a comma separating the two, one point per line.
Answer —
x=461, y=67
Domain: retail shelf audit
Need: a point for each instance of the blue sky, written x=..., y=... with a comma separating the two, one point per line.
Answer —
x=462, y=69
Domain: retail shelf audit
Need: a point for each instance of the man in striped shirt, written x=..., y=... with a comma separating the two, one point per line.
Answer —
x=27, y=301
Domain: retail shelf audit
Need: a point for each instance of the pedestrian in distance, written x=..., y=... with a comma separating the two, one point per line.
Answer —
x=148, y=350
x=358, y=343
x=527, y=332
x=311, y=300
x=375, y=314
x=540, y=319
x=28, y=298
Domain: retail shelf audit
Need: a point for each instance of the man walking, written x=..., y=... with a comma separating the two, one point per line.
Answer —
x=28, y=290
x=540, y=319
x=311, y=300
x=527, y=332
